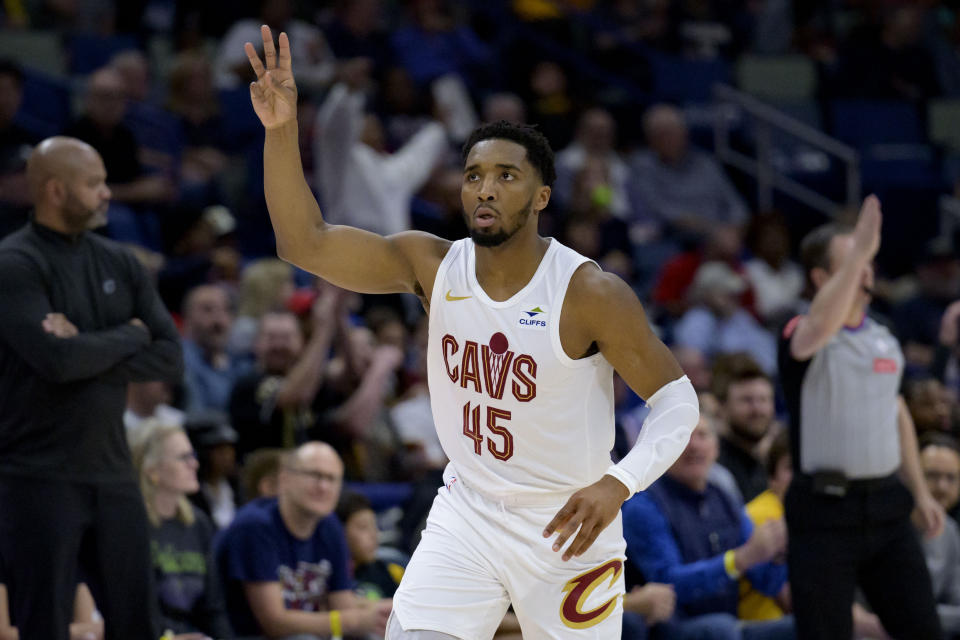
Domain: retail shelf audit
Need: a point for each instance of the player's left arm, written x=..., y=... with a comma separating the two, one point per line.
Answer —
x=601, y=309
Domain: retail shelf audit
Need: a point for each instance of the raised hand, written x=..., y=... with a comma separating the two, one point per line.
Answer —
x=866, y=235
x=274, y=93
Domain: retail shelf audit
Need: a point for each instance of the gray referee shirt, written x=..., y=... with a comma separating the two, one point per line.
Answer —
x=843, y=402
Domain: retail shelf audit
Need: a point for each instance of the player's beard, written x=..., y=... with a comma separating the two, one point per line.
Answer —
x=483, y=238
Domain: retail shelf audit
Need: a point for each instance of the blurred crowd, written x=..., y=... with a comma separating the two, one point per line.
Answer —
x=388, y=90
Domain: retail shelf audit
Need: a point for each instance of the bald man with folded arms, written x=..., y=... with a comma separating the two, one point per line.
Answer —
x=80, y=320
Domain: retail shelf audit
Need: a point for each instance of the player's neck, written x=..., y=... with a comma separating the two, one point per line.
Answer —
x=503, y=271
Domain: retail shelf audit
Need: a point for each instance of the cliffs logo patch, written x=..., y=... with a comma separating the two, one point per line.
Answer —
x=535, y=318
x=573, y=610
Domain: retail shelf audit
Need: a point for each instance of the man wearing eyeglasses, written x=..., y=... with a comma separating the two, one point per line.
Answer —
x=284, y=561
x=940, y=459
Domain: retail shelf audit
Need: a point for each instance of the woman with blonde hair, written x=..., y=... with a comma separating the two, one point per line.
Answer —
x=265, y=285
x=181, y=538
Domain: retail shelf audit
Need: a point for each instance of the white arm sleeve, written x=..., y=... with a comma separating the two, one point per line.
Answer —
x=674, y=413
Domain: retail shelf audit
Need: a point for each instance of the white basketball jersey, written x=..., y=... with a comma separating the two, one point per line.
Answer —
x=514, y=414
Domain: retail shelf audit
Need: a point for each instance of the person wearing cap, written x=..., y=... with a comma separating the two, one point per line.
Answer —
x=181, y=537
x=857, y=474
x=716, y=323
x=215, y=441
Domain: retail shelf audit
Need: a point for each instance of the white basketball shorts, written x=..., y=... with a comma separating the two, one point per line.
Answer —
x=478, y=555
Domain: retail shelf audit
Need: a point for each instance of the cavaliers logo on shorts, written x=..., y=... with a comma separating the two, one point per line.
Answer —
x=579, y=589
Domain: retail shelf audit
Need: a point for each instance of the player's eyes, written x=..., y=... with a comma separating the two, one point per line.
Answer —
x=506, y=175
x=472, y=177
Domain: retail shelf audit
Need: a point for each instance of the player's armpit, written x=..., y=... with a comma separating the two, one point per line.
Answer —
x=601, y=308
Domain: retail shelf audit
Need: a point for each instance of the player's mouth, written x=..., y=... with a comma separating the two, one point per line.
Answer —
x=485, y=216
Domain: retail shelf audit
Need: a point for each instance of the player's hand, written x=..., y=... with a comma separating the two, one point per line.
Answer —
x=654, y=601
x=274, y=93
x=58, y=325
x=866, y=235
x=928, y=515
x=591, y=509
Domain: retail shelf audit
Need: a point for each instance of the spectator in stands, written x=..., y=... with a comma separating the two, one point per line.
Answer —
x=215, y=442
x=375, y=578
x=504, y=106
x=596, y=138
x=260, y=471
x=210, y=370
x=551, y=105
x=937, y=457
x=940, y=459
x=193, y=99
x=356, y=31
x=316, y=65
x=101, y=125
x=929, y=403
x=360, y=184
x=946, y=357
x=776, y=280
x=717, y=324
x=181, y=537
x=918, y=318
x=280, y=403
x=432, y=44
x=265, y=285
x=285, y=560
x=146, y=400
x=888, y=60
x=685, y=190
x=724, y=242
x=15, y=146
x=687, y=532
x=745, y=393
x=86, y=625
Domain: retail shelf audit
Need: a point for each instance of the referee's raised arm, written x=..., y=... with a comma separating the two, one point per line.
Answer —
x=840, y=285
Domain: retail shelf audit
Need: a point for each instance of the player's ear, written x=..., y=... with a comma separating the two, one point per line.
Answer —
x=541, y=198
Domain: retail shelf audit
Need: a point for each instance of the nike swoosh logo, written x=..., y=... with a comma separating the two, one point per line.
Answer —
x=451, y=298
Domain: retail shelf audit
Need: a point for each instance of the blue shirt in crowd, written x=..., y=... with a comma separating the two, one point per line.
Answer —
x=258, y=547
x=678, y=536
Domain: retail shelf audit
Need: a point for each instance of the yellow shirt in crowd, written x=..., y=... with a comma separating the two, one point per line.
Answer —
x=753, y=604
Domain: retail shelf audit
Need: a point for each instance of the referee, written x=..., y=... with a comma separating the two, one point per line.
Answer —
x=855, y=452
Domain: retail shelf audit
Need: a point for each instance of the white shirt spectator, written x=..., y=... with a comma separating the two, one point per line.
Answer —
x=362, y=187
x=775, y=292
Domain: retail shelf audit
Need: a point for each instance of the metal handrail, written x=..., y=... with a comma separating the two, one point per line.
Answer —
x=762, y=168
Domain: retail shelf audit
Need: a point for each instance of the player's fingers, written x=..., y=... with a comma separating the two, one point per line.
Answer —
x=588, y=534
x=254, y=59
x=278, y=89
x=284, y=59
x=559, y=520
x=269, y=51
x=572, y=526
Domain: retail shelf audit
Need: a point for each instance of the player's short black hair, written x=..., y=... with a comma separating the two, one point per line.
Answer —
x=539, y=153
x=350, y=503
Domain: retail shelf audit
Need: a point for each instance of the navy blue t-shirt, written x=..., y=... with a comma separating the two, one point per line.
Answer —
x=257, y=547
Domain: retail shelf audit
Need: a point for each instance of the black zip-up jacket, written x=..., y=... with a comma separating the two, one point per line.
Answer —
x=62, y=399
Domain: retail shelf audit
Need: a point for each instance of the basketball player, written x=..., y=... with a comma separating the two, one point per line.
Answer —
x=524, y=337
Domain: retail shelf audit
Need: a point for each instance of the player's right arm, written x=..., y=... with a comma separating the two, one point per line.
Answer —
x=345, y=256
x=832, y=302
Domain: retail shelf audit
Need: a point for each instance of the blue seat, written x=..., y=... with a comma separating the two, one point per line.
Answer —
x=87, y=53
x=45, y=109
x=681, y=80
x=862, y=123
